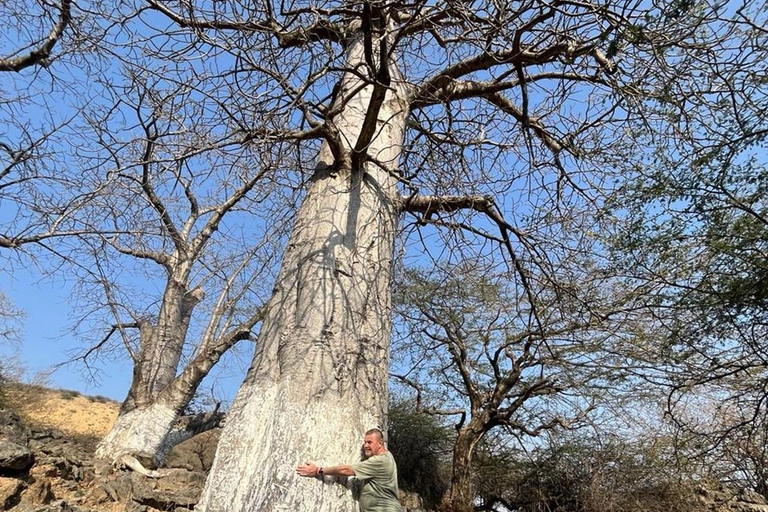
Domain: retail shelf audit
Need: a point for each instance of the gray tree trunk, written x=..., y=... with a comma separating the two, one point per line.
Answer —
x=319, y=378
x=151, y=410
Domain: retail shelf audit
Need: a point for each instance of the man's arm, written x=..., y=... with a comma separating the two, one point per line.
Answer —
x=309, y=469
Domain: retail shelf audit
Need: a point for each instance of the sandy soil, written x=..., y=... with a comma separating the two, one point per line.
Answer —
x=68, y=411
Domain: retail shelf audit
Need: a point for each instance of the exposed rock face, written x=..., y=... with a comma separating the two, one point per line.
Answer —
x=44, y=471
x=175, y=489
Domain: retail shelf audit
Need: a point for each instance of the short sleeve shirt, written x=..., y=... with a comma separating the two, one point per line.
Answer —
x=378, y=475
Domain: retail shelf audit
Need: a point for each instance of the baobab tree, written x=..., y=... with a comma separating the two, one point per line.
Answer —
x=504, y=120
x=169, y=204
x=498, y=124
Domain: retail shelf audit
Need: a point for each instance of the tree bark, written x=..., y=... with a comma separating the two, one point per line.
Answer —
x=152, y=408
x=142, y=430
x=462, y=496
x=319, y=377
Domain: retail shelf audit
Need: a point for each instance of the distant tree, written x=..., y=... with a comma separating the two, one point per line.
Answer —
x=11, y=318
x=693, y=237
x=467, y=349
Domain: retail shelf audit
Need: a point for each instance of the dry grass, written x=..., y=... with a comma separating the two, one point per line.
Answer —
x=74, y=414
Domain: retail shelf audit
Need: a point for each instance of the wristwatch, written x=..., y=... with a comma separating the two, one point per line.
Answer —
x=320, y=472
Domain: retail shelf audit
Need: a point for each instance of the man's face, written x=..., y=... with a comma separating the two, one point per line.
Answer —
x=372, y=445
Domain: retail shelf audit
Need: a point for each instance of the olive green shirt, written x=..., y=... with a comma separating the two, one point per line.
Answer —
x=378, y=476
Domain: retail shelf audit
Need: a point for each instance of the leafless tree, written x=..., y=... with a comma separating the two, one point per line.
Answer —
x=499, y=122
x=497, y=126
x=10, y=319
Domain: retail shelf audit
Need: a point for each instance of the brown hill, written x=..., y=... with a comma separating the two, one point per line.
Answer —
x=70, y=412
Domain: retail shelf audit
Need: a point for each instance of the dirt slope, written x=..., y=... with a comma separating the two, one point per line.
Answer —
x=74, y=414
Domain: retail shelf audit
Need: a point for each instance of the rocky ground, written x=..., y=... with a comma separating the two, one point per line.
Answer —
x=44, y=468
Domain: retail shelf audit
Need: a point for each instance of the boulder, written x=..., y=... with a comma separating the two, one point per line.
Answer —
x=411, y=501
x=176, y=488
x=14, y=457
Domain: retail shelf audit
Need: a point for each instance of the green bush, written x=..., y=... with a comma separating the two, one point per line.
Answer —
x=421, y=446
x=585, y=475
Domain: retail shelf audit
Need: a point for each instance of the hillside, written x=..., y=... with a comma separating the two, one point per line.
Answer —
x=70, y=412
x=59, y=430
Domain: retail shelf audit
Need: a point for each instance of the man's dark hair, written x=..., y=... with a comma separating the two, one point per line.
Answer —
x=377, y=432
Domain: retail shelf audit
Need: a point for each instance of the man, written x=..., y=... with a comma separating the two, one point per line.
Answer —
x=377, y=472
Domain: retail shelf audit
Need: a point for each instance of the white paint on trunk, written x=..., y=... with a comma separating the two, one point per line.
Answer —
x=140, y=431
x=319, y=377
x=258, y=470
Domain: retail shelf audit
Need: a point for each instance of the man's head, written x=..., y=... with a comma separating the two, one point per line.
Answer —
x=373, y=443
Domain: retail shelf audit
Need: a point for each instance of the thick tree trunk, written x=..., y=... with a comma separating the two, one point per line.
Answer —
x=151, y=409
x=462, y=497
x=319, y=378
x=143, y=430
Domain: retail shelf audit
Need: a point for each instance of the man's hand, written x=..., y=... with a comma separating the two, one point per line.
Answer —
x=307, y=469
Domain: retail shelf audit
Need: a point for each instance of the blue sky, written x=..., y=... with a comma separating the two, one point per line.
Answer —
x=45, y=338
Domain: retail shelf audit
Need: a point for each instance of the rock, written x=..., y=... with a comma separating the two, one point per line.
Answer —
x=12, y=429
x=132, y=506
x=10, y=492
x=39, y=493
x=57, y=506
x=196, y=453
x=15, y=457
x=66, y=468
x=97, y=496
x=411, y=501
x=176, y=488
x=741, y=506
x=181, y=479
x=43, y=470
x=147, y=460
x=123, y=487
x=750, y=496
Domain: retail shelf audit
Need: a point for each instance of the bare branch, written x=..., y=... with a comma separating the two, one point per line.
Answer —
x=41, y=55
